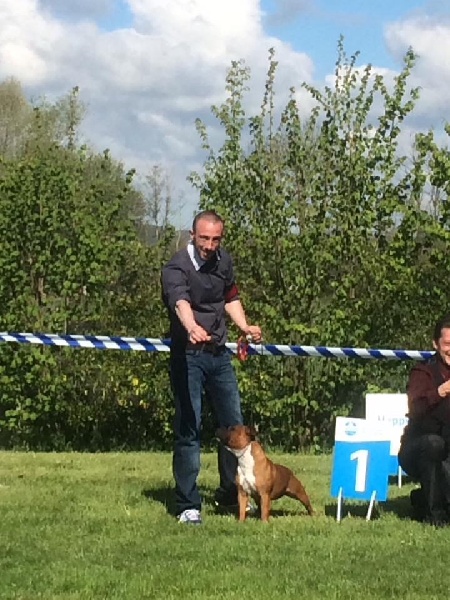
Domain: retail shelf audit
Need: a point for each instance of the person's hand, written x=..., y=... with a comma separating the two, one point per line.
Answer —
x=253, y=332
x=444, y=389
x=197, y=335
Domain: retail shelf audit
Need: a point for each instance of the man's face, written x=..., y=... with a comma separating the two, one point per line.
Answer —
x=442, y=346
x=207, y=237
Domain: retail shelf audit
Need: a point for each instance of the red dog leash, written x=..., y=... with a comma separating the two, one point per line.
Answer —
x=242, y=348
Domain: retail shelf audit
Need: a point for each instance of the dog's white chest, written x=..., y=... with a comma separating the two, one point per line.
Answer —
x=246, y=471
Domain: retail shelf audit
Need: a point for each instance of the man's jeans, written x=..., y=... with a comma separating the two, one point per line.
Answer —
x=426, y=459
x=191, y=373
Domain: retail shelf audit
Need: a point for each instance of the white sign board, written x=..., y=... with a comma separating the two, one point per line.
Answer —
x=349, y=429
x=388, y=411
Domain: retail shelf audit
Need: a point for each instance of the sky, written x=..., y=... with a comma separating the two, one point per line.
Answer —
x=146, y=69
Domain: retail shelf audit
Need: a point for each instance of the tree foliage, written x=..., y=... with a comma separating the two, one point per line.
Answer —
x=333, y=241
x=340, y=238
x=73, y=261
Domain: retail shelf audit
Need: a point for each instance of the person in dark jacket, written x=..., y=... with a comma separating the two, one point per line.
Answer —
x=425, y=446
x=200, y=291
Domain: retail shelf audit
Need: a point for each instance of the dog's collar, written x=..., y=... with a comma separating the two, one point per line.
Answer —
x=240, y=453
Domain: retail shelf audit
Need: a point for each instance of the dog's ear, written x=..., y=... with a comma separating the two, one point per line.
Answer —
x=251, y=432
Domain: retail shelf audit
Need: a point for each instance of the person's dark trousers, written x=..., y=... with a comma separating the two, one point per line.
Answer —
x=192, y=373
x=425, y=458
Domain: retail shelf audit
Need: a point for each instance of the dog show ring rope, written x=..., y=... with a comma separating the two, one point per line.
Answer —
x=104, y=342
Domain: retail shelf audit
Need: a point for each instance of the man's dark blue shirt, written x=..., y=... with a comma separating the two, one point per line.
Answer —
x=206, y=285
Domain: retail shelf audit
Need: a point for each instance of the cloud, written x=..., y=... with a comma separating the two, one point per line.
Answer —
x=144, y=85
x=287, y=10
x=79, y=9
x=429, y=37
x=27, y=39
x=161, y=64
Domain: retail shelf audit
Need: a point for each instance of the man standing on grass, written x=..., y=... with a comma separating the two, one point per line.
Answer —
x=199, y=290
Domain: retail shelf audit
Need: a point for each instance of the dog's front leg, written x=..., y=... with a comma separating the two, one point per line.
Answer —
x=243, y=502
x=265, y=506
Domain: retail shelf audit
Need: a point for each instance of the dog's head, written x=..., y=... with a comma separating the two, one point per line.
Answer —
x=236, y=437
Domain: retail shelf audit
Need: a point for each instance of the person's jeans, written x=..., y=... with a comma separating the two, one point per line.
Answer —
x=191, y=374
x=426, y=459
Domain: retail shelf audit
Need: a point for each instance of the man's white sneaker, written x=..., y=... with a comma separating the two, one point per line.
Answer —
x=190, y=515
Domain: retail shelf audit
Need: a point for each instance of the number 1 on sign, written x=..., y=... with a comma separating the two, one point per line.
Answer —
x=361, y=457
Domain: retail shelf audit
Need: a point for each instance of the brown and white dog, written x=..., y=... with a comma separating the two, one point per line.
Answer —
x=257, y=476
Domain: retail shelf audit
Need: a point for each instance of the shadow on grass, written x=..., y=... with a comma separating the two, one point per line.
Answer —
x=275, y=513
x=400, y=506
x=297, y=509
x=163, y=495
x=351, y=509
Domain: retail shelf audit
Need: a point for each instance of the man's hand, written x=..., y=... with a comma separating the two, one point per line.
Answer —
x=236, y=312
x=197, y=335
x=254, y=332
x=444, y=389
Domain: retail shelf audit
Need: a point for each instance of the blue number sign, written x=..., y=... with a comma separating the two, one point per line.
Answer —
x=361, y=460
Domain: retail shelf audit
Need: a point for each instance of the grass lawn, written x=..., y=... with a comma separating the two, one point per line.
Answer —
x=81, y=526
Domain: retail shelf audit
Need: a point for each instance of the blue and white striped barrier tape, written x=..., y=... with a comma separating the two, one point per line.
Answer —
x=104, y=342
